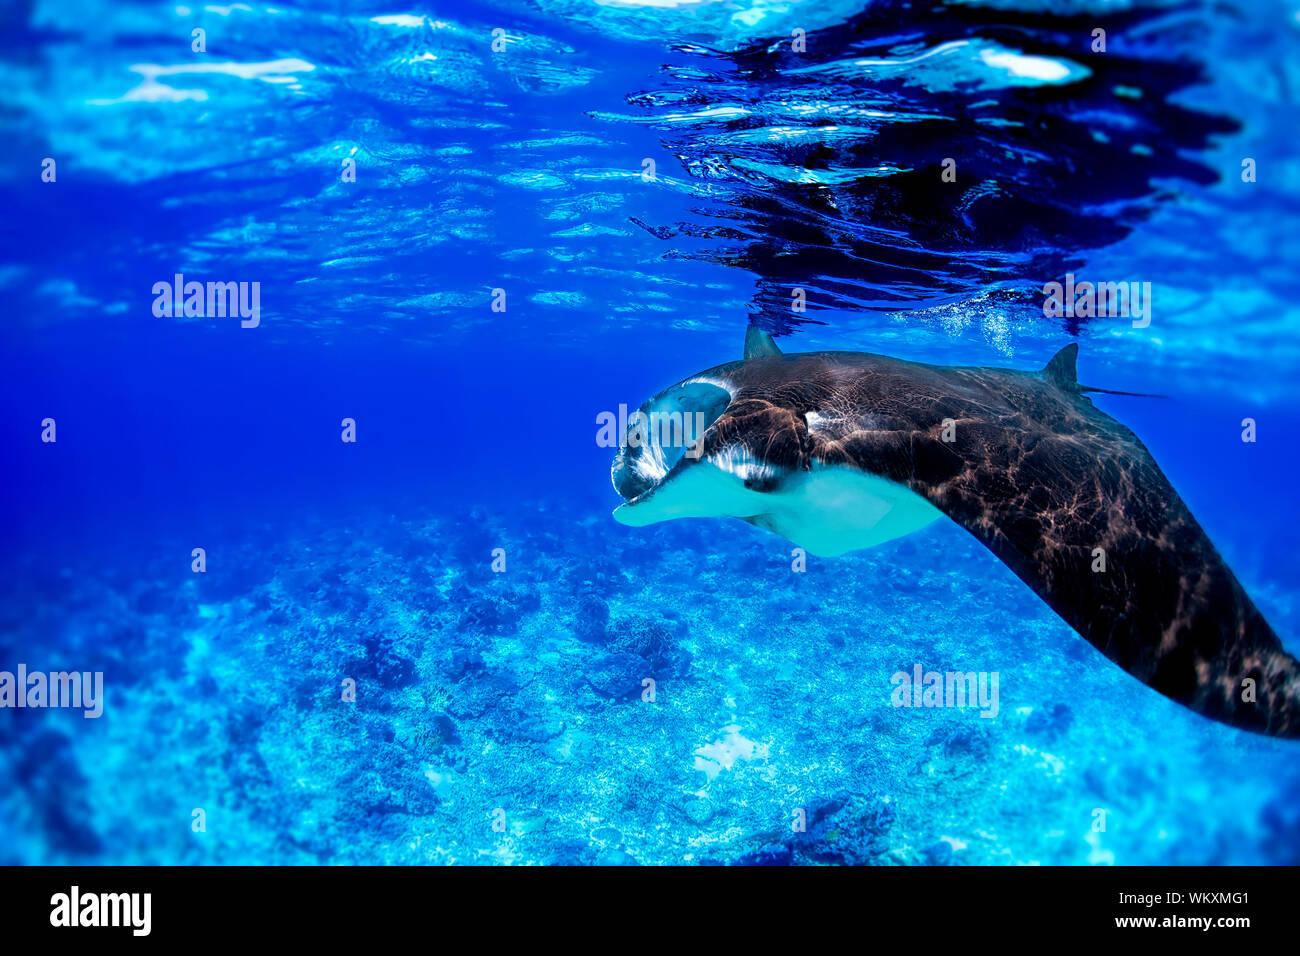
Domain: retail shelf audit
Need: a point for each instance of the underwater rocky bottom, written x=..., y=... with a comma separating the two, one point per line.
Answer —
x=507, y=716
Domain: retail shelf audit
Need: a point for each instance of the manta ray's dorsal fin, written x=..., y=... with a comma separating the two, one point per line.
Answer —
x=759, y=344
x=1060, y=371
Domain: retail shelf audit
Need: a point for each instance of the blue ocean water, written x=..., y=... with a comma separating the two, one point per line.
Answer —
x=640, y=181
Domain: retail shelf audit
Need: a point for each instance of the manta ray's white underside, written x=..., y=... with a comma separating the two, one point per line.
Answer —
x=827, y=511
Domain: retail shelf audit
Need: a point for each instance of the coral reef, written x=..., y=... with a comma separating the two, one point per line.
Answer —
x=378, y=694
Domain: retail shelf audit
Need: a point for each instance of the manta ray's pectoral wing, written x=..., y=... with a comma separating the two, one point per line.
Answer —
x=1075, y=505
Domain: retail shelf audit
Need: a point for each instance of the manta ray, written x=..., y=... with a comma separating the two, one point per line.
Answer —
x=838, y=451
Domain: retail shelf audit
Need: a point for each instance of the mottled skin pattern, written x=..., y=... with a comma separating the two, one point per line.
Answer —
x=1042, y=478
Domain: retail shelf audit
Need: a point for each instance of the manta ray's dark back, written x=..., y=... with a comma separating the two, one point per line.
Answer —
x=1050, y=484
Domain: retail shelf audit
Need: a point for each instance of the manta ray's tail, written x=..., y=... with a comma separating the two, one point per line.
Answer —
x=1113, y=391
x=1060, y=371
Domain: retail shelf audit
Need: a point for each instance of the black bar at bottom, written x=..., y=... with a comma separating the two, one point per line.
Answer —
x=336, y=905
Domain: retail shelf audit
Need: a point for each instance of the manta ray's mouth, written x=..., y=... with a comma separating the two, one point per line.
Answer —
x=665, y=434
